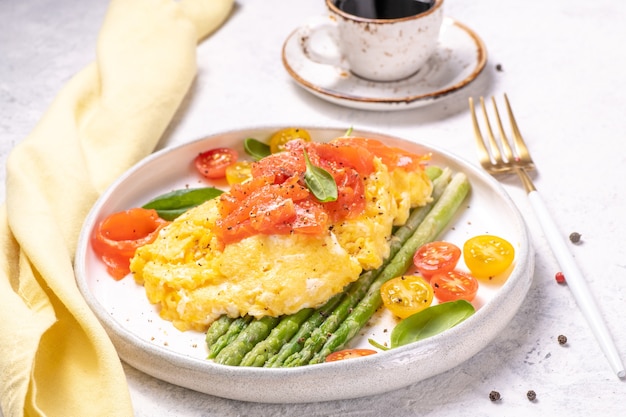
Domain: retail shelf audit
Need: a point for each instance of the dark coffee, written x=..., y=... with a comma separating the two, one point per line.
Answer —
x=384, y=9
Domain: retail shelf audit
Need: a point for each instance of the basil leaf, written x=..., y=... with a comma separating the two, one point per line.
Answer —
x=256, y=149
x=319, y=181
x=430, y=321
x=171, y=205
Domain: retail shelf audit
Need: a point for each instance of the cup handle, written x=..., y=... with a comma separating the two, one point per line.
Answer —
x=320, y=42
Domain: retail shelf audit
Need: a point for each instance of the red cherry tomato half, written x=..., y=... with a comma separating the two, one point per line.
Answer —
x=348, y=354
x=454, y=285
x=436, y=257
x=212, y=164
x=116, y=238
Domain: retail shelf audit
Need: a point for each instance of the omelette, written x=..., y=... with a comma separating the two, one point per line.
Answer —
x=195, y=275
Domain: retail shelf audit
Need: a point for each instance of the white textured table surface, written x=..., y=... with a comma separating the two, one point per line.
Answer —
x=561, y=63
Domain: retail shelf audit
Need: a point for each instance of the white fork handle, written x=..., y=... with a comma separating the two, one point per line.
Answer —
x=576, y=283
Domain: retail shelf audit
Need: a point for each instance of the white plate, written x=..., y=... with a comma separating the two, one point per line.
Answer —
x=460, y=57
x=154, y=346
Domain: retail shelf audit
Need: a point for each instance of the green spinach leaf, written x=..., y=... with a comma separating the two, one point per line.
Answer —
x=430, y=322
x=171, y=205
x=256, y=149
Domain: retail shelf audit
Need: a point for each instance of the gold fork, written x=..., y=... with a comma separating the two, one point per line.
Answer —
x=497, y=156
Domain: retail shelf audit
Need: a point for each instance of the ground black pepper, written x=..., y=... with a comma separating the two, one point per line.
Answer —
x=531, y=395
x=562, y=339
x=494, y=396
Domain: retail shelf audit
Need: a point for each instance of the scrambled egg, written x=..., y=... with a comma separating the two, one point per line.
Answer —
x=185, y=272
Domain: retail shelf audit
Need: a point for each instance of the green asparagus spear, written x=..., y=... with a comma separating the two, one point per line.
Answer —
x=279, y=335
x=320, y=335
x=434, y=223
x=256, y=331
x=233, y=331
x=295, y=343
x=217, y=329
x=404, y=232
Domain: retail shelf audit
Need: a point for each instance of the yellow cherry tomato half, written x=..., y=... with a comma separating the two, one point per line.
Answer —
x=280, y=138
x=349, y=354
x=406, y=295
x=487, y=256
x=239, y=172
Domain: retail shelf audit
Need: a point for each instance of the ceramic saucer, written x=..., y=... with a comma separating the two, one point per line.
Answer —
x=459, y=58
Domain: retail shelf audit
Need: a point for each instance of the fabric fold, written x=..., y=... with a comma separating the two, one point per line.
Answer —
x=57, y=360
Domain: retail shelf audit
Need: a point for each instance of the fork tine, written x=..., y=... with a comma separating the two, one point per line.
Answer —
x=506, y=147
x=518, y=140
x=485, y=158
x=495, y=149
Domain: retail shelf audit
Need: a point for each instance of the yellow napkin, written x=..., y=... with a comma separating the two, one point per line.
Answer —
x=55, y=358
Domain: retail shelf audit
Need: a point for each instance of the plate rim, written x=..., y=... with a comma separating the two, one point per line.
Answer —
x=131, y=348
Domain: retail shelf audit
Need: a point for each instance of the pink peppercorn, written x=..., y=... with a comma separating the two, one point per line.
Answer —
x=560, y=278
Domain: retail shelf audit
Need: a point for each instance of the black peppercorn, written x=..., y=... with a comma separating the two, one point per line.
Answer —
x=562, y=339
x=574, y=237
x=494, y=395
x=531, y=395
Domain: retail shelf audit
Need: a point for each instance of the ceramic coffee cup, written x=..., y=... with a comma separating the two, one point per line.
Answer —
x=378, y=40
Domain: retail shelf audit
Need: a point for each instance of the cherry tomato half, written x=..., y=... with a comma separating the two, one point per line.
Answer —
x=454, y=285
x=436, y=257
x=487, y=256
x=238, y=172
x=212, y=164
x=116, y=238
x=348, y=354
x=406, y=295
x=281, y=137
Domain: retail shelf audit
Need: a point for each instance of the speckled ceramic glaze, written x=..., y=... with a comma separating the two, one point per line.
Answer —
x=385, y=49
x=458, y=60
x=155, y=347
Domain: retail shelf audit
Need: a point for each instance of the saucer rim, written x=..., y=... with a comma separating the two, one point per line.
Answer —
x=364, y=102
